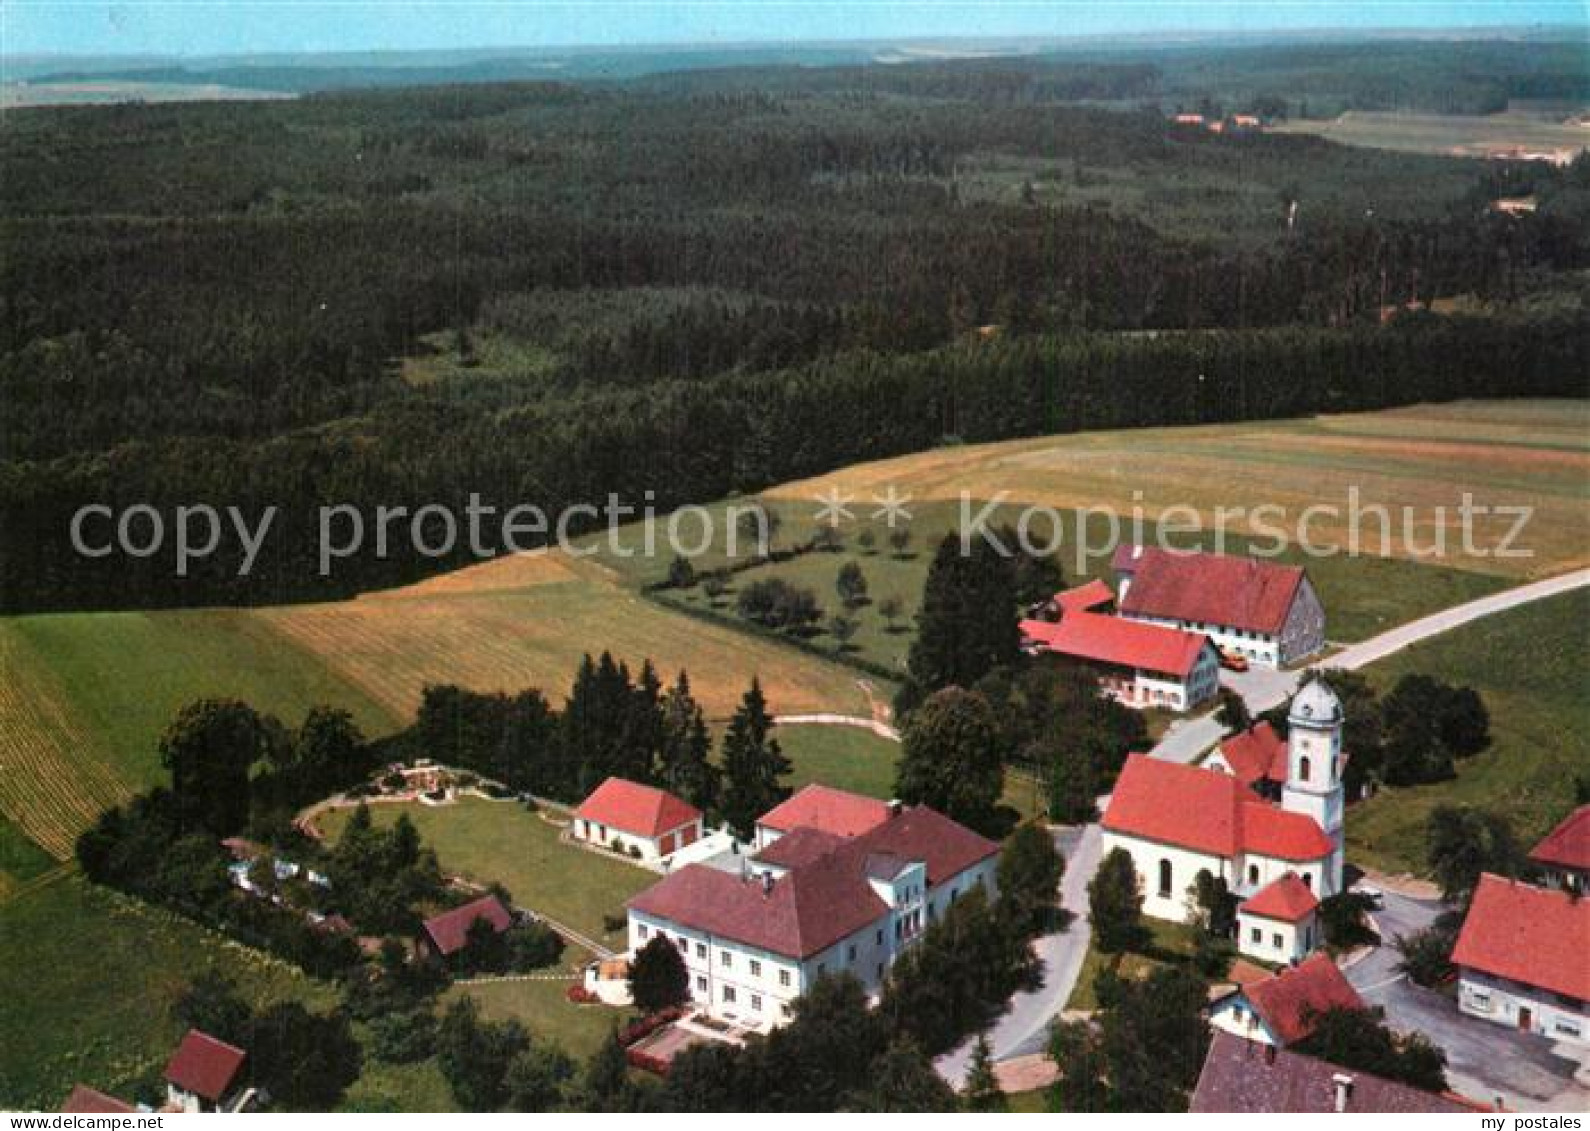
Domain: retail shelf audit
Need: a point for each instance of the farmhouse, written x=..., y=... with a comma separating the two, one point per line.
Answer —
x=1264, y=612
x=824, y=808
x=1142, y=665
x=1282, y=1010
x=1521, y=959
x=1248, y=1076
x=1279, y=857
x=637, y=819
x=206, y=1074
x=444, y=935
x=1564, y=855
x=810, y=903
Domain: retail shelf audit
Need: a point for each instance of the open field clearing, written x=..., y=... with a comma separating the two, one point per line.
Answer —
x=1423, y=458
x=87, y=696
x=543, y=1009
x=494, y=638
x=499, y=840
x=841, y=756
x=1530, y=665
x=88, y=983
x=1452, y=134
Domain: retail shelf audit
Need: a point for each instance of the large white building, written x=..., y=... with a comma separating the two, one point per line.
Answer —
x=1523, y=959
x=1279, y=858
x=1265, y=612
x=811, y=903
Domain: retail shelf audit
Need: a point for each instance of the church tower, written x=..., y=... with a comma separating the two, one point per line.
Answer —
x=1314, y=765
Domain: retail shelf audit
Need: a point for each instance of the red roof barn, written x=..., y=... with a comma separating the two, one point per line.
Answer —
x=448, y=933
x=651, y=820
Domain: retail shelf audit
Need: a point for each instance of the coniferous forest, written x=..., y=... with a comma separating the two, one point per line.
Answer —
x=701, y=283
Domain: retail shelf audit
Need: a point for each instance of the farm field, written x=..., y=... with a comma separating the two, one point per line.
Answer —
x=1529, y=665
x=1526, y=453
x=105, y=1021
x=501, y=841
x=841, y=756
x=1451, y=134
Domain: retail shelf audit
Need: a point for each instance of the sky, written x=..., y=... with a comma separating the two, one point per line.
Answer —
x=229, y=27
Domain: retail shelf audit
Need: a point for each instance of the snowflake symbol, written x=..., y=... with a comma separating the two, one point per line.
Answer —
x=891, y=507
x=833, y=510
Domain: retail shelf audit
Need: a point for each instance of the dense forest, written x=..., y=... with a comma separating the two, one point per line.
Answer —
x=698, y=284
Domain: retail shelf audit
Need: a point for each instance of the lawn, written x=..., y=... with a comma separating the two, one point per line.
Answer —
x=844, y=757
x=501, y=841
x=88, y=982
x=544, y=1010
x=1529, y=664
x=1167, y=943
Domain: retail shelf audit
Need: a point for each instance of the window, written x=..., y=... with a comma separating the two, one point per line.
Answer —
x=880, y=936
x=1257, y=935
x=786, y=1010
x=822, y=968
x=1567, y=1028
x=850, y=953
x=756, y=1002
x=701, y=984
x=684, y=947
x=1253, y=873
x=756, y=968
x=1305, y=768
x=1308, y=880
x=1164, y=877
x=1276, y=940
x=728, y=994
x=725, y=958
x=701, y=950
x=783, y=977
x=645, y=931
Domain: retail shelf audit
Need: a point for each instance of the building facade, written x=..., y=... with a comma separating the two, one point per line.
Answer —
x=637, y=820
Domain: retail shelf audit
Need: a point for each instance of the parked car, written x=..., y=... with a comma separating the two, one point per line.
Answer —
x=1233, y=661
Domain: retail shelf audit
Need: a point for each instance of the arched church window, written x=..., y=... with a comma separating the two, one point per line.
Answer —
x=1305, y=768
x=1164, y=877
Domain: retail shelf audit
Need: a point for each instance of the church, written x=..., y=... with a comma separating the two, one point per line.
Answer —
x=1280, y=857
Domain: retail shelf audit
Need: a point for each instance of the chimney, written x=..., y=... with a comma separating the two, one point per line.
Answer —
x=896, y=807
x=1344, y=1089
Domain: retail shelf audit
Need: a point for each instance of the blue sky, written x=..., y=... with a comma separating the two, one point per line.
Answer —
x=208, y=27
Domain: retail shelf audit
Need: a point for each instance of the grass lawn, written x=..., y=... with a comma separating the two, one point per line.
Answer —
x=1167, y=943
x=844, y=757
x=1034, y=1102
x=496, y=840
x=542, y=1008
x=89, y=978
x=399, y=1087
x=1529, y=664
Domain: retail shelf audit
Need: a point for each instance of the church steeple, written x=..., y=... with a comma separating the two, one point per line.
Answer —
x=1314, y=763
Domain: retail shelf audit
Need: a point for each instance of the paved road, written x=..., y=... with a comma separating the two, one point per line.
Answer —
x=1483, y=1060
x=1024, y=1027
x=1264, y=688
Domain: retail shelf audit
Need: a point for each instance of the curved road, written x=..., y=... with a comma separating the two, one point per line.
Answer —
x=1022, y=1028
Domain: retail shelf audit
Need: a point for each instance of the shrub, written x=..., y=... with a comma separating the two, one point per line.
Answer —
x=403, y=1038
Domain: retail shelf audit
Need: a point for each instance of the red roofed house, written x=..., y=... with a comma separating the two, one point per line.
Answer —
x=1564, y=855
x=1282, y=1010
x=1260, y=610
x=1523, y=959
x=205, y=1074
x=1142, y=665
x=629, y=817
x=813, y=902
x=1241, y=1076
x=444, y=935
x=824, y=808
x=88, y=1101
x=1176, y=821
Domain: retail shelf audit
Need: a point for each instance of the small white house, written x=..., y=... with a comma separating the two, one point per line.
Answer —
x=1280, y=1010
x=1280, y=922
x=206, y=1074
x=636, y=820
x=1521, y=959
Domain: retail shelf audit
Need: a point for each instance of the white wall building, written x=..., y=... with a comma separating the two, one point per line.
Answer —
x=1175, y=821
x=637, y=820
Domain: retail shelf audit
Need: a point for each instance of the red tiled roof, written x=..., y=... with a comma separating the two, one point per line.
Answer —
x=799, y=846
x=1246, y=1076
x=1527, y=934
x=1567, y=845
x=1208, y=588
x=1082, y=597
x=205, y=1066
x=1288, y=1002
x=825, y=898
x=639, y=810
x=831, y=810
x=1207, y=811
x=1111, y=640
x=1256, y=755
x=449, y=931
x=85, y=1100
x=1288, y=899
